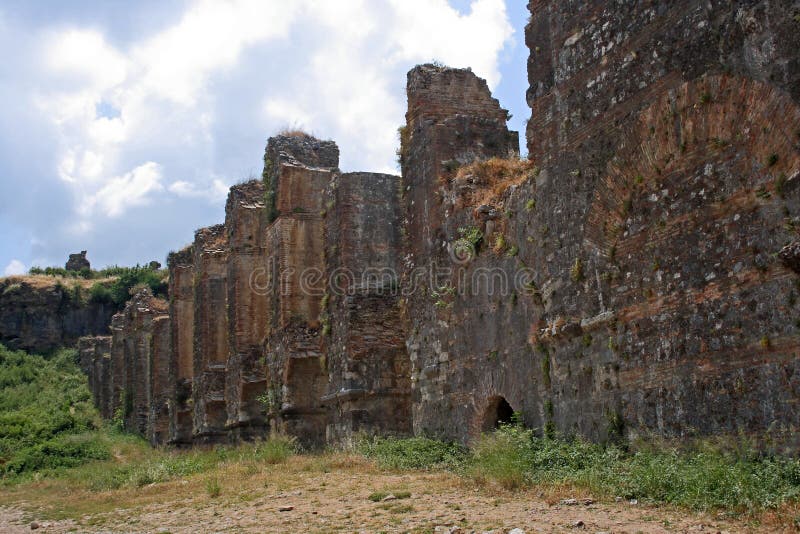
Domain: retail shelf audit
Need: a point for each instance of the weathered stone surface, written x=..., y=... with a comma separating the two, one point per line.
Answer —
x=369, y=388
x=210, y=333
x=181, y=369
x=42, y=313
x=790, y=255
x=249, y=311
x=95, y=361
x=139, y=365
x=454, y=341
x=667, y=135
x=77, y=262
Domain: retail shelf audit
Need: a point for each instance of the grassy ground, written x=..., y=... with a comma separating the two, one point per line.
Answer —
x=59, y=462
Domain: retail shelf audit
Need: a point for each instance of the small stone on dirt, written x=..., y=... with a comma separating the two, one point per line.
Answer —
x=286, y=508
x=389, y=497
x=34, y=525
x=578, y=524
x=569, y=502
x=516, y=531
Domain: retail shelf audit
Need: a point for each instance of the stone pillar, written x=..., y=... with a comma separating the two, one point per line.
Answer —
x=452, y=121
x=368, y=365
x=161, y=387
x=299, y=171
x=210, y=334
x=249, y=311
x=181, y=369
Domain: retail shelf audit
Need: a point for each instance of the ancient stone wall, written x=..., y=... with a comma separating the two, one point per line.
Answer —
x=249, y=311
x=181, y=367
x=129, y=370
x=638, y=275
x=211, y=346
x=667, y=135
x=95, y=362
x=368, y=366
x=461, y=352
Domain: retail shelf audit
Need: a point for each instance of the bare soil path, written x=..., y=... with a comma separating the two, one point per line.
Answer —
x=336, y=493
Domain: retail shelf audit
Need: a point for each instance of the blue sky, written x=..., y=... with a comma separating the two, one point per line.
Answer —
x=123, y=124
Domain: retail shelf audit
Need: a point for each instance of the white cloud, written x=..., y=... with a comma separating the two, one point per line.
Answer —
x=130, y=189
x=15, y=267
x=217, y=190
x=161, y=104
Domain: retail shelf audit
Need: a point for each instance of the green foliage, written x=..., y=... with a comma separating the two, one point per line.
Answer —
x=118, y=292
x=530, y=204
x=413, y=453
x=46, y=414
x=471, y=234
x=546, y=370
x=701, y=478
x=213, y=487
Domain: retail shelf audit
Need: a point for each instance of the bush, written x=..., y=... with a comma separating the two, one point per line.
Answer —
x=413, y=453
x=46, y=414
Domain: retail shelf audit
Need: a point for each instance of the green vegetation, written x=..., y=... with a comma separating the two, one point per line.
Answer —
x=118, y=291
x=413, y=453
x=49, y=429
x=471, y=235
x=47, y=417
x=704, y=477
x=113, y=284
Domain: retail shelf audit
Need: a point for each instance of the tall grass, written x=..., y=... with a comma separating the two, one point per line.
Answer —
x=702, y=478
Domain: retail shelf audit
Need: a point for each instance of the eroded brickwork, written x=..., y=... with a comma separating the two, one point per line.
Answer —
x=211, y=347
x=181, y=366
x=638, y=275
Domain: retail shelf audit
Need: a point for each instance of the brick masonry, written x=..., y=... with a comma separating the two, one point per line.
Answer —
x=641, y=279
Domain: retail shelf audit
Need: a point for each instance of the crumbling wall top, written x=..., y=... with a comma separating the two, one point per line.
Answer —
x=436, y=92
x=210, y=239
x=301, y=149
x=181, y=258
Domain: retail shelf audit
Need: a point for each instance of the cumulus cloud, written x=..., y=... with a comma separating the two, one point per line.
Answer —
x=217, y=192
x=131, y=189
x=14, y=267
x=166, y=120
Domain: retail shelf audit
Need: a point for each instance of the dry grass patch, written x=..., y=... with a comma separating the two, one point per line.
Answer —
x=486, y=181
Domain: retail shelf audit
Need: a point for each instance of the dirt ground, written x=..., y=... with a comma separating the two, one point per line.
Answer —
x=336, y=493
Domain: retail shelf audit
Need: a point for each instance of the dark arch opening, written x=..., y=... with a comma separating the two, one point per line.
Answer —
x=498, y=412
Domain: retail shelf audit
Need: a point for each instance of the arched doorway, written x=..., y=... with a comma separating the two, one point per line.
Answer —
x=498, y=412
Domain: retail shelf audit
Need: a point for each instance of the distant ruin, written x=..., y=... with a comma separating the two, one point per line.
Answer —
x=640, y=279
x=78, y=262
